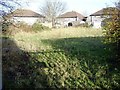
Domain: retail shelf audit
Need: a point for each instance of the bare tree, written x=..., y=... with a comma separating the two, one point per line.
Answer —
x=52, y=9
x=118, y=4
x=7, y=6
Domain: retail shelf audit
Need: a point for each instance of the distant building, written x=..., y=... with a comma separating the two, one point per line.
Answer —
x=70, y=19
x=99, y=16
x=25, y=15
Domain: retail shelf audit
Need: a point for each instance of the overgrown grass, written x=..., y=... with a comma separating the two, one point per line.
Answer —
x=64, y=58
x=32, y=41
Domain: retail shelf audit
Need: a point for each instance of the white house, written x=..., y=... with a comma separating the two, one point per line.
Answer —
x=70, y=18
x=27, y=16
x=99, y=16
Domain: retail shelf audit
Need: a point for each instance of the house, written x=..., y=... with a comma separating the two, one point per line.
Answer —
x=24, y=15
x=70, y=18
x=99, y=16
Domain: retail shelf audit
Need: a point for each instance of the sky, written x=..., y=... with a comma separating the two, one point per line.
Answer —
x=85, y=7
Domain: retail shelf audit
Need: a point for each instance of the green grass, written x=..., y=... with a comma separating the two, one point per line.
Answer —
x=66, y=58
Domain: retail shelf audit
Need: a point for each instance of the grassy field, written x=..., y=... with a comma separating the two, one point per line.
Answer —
x=33, y=41
x=63, y=58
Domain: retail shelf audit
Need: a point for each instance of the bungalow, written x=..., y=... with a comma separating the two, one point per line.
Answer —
x=70, y=18
x=99, y=16
x=25, y=15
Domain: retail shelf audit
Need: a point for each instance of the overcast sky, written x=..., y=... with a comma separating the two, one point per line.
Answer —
x=84, y=7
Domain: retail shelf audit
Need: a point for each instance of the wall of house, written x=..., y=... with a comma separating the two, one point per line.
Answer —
x=96, y=21
x=28, y=20
x=63, y=22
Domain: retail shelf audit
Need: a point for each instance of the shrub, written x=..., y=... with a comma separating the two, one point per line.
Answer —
x=23, y=26
x=112, y=31
x=84, y=25
x=39, y=27
x=5, y=26
x=11, y=28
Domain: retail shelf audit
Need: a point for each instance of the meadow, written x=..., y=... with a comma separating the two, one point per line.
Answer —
x=60, y=58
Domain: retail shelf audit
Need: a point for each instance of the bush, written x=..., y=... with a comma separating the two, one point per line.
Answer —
x=23, y=26
x=112, y=31
x=84, y=25
x=11, y=28
x=5, y=26
x=39, y=27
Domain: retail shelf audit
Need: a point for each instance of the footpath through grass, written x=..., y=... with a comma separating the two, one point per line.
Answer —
x=68, y=58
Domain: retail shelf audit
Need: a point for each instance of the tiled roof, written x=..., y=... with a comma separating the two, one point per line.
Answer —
x=72, y=14
x=106, y=11
x=25, y=13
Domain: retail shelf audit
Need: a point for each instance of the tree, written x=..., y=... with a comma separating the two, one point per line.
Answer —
x=7, y=6
x=52, y=9
x=112, y=27
x=118, y=4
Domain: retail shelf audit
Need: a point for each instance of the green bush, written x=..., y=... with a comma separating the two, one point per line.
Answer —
x=112, y=31
x=39, y=27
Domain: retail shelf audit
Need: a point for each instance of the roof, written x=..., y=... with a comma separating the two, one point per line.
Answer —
x=72, y=14
x=25, y=13
x=106, y=11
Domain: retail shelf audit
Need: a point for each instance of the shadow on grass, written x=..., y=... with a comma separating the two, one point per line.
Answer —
x=18, y=68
